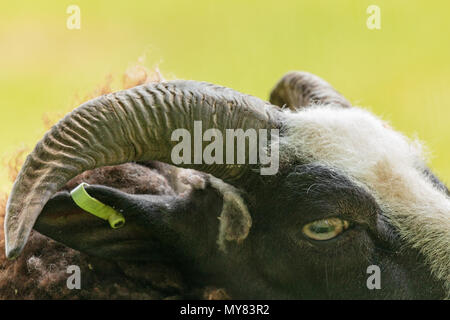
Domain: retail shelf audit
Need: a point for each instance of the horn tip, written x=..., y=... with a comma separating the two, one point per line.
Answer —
x=17, y=227
x=14, y=243
x=12, y=252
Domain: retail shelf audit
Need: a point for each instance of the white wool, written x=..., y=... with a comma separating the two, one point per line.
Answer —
x=385, y=163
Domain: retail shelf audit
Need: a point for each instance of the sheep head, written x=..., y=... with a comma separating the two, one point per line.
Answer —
x=350, y=192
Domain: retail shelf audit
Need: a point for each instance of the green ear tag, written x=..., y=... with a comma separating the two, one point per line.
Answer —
x=95, y=207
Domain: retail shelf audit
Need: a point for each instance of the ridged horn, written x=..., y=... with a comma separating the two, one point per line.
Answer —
x=130, y=125
x=299, y=89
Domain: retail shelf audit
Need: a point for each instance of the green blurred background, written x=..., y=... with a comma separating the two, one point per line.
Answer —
x=401, y=72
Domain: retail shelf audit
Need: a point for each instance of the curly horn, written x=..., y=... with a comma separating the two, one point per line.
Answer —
x=130, y=125
x=299, y=89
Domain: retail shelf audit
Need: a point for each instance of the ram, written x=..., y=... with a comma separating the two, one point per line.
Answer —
x=350, y=193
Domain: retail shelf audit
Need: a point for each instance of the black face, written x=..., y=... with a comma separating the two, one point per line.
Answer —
x=314, y=235
x=330, y=259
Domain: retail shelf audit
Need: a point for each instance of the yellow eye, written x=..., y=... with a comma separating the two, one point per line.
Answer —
x=325, y=229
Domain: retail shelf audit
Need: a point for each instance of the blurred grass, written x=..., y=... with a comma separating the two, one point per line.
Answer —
x=401, y=72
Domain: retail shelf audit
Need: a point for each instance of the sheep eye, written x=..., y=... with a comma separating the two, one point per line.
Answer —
x=325, y=229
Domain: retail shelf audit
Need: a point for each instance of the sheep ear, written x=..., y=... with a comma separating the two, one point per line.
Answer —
x=150, y=221
x=301, y=89
x=235, y=220
x=63, y=221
